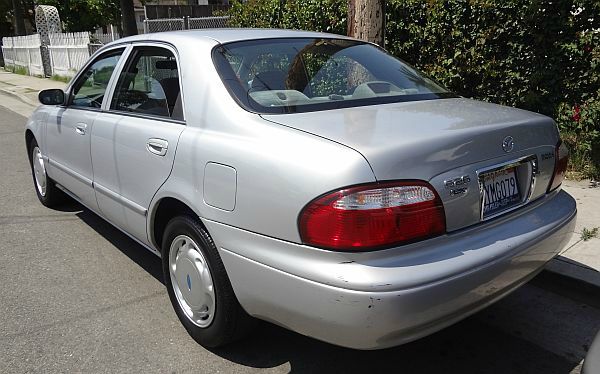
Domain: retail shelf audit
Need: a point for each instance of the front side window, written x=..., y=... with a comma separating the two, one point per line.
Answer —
x=90, y=88
x=296, y=75
x=149, y=84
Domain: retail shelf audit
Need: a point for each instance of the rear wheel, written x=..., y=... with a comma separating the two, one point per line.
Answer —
x=45, y=188
x=198, y=286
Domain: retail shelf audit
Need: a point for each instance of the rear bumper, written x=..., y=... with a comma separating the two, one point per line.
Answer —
x=591, y=364
x=386, y=298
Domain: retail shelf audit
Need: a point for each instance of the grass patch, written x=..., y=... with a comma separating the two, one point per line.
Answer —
x=16, y=69
x=60, y=78
x=588, y=234
x=584, y=160
x=583, y=168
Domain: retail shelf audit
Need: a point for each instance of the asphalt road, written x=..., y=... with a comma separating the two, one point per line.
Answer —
x=77, y=295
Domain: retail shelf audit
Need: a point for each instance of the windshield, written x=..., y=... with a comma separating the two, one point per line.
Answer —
x=300, y=75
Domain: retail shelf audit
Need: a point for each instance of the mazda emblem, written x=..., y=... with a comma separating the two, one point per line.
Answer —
x=508, y=144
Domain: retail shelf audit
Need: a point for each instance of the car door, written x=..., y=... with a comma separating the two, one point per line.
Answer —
x=68, y=128
x=133, y=142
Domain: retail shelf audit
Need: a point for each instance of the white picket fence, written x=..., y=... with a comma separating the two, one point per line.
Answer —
x=68, y=52
x=24, y=52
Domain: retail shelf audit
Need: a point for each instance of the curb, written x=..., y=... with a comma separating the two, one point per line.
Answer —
x=571, y=288
x=19, y=96
x=581, y=274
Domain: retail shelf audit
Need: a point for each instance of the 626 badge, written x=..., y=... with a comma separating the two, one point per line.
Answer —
x=458, y=186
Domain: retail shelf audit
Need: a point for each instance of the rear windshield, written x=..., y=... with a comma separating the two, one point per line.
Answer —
x=288, y=75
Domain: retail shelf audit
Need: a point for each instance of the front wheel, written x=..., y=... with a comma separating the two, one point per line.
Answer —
x=198, y=286
x=45, y=188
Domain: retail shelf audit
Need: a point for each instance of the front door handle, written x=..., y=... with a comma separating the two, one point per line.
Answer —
x=80, y=128
x=157, y=146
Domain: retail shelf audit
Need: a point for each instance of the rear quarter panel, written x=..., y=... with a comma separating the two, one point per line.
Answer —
x=279, y=171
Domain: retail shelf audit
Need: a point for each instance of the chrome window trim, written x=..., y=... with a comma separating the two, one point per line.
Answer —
x=87, y=109
x=156, y=44
x=144, y=116
x=115, y=77
x=525, y=198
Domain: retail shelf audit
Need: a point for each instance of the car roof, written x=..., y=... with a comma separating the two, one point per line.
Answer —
x=227, y=35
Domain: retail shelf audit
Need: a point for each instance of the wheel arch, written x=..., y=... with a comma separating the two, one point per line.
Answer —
x=28, y=138
x=164, y=210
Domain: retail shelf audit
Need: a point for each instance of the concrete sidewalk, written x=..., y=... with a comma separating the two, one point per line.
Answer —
x=580, y=260
x=24, y=87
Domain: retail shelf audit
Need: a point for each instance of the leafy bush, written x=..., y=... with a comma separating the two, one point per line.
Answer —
x=578, y=117
x=86, y=15
x=579, y=125
x=314, y=15
x=539, y=55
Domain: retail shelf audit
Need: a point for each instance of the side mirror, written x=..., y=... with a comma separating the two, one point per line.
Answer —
x=53, y=96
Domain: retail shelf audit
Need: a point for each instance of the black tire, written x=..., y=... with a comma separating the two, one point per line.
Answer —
x=230, y=322
x=52, y=196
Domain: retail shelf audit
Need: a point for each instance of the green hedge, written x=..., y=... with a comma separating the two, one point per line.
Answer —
x=314, y=15
x=537, y=55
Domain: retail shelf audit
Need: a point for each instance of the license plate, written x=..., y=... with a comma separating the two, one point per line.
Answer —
x=501, y=191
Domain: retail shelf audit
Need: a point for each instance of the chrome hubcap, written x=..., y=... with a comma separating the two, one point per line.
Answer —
x=39, y=171
x=192, y=281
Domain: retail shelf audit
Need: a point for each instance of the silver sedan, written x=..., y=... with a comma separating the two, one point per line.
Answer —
x=306, y=179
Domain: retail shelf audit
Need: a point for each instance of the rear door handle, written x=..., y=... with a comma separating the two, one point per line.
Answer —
x=157, y=146
x=80, y=128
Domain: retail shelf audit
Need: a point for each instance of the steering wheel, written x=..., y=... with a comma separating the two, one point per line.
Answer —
x=96, y=102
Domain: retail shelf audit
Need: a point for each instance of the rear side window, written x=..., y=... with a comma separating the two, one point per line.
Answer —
x=89, y=90
x=149, y=84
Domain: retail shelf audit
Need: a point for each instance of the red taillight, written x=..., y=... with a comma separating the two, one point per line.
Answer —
x=373, y=216
x=561, y=159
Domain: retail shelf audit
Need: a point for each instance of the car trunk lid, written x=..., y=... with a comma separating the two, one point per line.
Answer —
x=438, y=141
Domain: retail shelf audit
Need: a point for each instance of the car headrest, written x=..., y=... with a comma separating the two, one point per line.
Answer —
x=269, y=80
x=166, y=64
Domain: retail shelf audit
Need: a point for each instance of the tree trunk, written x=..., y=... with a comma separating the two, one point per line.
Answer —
x=19, y=19
x=128, y=17
x=366, y=20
